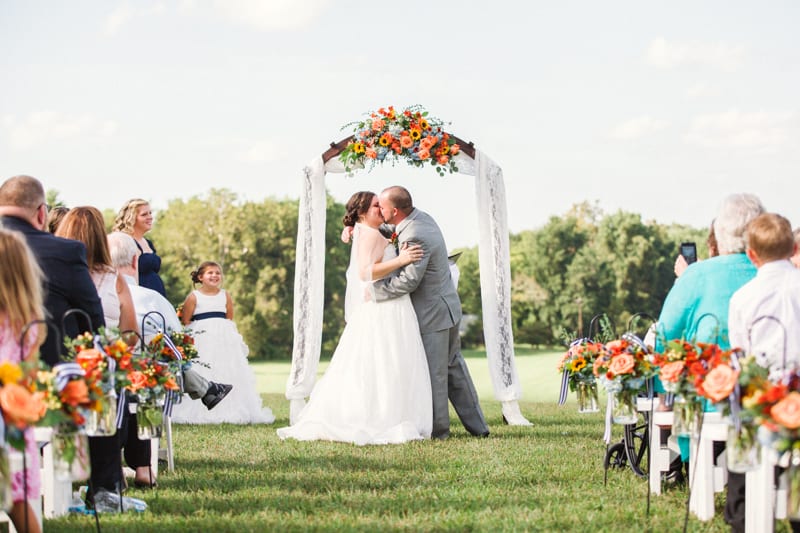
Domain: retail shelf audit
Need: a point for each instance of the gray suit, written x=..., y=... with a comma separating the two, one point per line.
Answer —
x=438, y=311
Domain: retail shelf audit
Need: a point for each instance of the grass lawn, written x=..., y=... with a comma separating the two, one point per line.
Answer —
x=548, y=477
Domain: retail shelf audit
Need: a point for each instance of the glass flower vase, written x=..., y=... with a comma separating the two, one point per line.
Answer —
x=687, y=417
x=5, y=480
x=587, y=397
x=149, y=418
x=102, y=422
x=793, y=478
x=70, y=454
x=623, y=410
x=742, y=450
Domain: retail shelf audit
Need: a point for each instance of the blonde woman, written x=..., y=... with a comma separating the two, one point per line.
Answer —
x=20, y=304
x=136, y=218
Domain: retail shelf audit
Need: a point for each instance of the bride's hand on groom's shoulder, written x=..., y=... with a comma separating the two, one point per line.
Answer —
x=411, y=253
x=347, y=233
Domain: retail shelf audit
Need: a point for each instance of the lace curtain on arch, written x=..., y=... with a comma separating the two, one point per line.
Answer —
x=493, y=250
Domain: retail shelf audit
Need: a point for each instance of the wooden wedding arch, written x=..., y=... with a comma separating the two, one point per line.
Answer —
x=495, y=275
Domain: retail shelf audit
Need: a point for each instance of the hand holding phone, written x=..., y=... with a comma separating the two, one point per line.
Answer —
x=689, y=252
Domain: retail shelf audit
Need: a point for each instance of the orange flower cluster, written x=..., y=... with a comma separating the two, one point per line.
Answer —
x=579, y=361
x=683, y=368
x=623, y=365
x=410, y=134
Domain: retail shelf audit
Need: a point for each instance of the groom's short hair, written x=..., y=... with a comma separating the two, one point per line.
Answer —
x=400, y=198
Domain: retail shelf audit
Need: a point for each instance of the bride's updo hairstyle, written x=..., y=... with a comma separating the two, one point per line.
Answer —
x=356, y=207
x=205, y=265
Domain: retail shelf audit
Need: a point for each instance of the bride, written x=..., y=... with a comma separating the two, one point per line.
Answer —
x=376, y=389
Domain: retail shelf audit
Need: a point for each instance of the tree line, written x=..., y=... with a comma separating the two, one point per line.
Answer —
x=576, y=266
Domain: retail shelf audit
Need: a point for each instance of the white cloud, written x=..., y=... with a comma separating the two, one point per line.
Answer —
x=272, y=14
x=41, y=127
x=638, y=127
x=258, y=152
x=125, y=13
x=760, y=131
x=664, y=54
x=701, y=90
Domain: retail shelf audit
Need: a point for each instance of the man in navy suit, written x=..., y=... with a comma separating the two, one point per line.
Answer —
x=68, y=284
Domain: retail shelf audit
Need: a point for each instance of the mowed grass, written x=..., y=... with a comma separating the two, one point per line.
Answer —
x=548, y=477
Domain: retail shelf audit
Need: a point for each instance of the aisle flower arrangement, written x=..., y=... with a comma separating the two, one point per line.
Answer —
x=22, y=406
x=411, y=134
x=576, y=367
x=624, y=368
x=183, y=340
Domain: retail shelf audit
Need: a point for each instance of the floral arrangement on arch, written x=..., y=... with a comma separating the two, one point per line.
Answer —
x=624, y=366
x=411, y=134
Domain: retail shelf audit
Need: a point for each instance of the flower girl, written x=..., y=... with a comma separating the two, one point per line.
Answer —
x=208, y=311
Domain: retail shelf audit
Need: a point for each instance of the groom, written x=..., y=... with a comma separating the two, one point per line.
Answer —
x=438, y=311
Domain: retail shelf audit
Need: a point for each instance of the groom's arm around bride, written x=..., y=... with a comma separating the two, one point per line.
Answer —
x=438, y=310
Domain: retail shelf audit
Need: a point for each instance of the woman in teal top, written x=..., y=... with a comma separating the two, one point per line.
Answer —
x=696, y=308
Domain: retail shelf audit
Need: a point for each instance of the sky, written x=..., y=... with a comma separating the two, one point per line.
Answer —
x=655, y=107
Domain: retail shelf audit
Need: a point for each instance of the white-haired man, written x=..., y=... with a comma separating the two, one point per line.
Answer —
x=125, y=258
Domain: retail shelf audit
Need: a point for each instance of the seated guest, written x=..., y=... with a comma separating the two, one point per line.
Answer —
x=21, y=304
x=125, y=258
x=54, y=217
x=86, y=224
x=773, y=293
x=696, y=308
x=63, y=262
x=796, y=256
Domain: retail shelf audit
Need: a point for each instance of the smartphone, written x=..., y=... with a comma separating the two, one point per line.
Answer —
x=689, y=252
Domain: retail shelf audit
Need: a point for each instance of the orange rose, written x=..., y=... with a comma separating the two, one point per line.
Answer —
x=171, y=384
x=377, y=125
x=671, y=371
x=406, y=141
x=616, y=346
x=787, y=411
x=454, y=149
x=719, y=383
x=138, y=380
x=20, y=407
x=621, y=364
x=89, y=359
x=443, y=159
x=424, y=154
x=75, y=393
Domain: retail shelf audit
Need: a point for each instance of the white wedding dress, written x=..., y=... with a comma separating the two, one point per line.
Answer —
x=222, y=348
x=376, y=389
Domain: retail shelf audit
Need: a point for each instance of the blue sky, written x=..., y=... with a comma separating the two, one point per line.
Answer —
x=660, y=108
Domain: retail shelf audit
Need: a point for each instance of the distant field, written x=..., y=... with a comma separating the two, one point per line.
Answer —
x=536, y=369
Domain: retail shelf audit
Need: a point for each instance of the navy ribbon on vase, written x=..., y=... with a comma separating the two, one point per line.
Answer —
x=562, y=395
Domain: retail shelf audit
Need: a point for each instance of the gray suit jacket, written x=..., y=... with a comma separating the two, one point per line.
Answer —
x=428, y=280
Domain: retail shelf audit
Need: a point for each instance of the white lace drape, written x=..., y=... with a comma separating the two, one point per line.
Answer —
x=493, y=250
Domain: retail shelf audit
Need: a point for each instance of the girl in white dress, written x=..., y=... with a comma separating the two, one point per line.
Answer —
x=208, y=311
x=376, y=389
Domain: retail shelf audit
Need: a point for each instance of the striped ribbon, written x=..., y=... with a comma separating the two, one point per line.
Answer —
x=735, y=399
x=66, y=372
x=562, y=395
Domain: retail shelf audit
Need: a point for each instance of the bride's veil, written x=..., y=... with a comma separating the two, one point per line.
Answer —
x=354, y=292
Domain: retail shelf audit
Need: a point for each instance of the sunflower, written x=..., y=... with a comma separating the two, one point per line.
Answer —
x=424, y=124
x=415, y=134
x=358, y=147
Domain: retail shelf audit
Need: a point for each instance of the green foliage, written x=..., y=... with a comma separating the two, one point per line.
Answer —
x=255, y=245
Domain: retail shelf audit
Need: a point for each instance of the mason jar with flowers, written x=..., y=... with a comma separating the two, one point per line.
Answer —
x=624, y=368
x=576, y=367
x=150, y=382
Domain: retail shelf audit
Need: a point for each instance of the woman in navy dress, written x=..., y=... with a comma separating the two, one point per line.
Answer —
x=136, y=218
